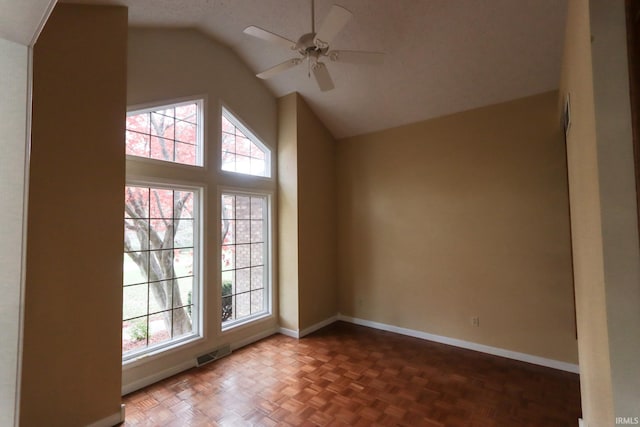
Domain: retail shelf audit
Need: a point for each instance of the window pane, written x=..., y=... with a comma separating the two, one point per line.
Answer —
x=134, y=269
x=184, y=234
x=257, y=301
x=162, y=125
x=242, y=256
x=137, y=144
x=228, y=142
x=256, y=232
x=257, y=254
x=186, y=154
x=228, y=257
x=186, y=132
x=183, y=292
x=139, y=123
x=168, y=133
x=257, y=206
x=243, y=164
x=258, y=167
x=183, y=262
x=243, y=305
x=136, y=235
x=135, y=301
x=183, y=202
x=159, y=237
x=136, y=202
x=257, y=277
x=243, y=280
x=187, y=112
x=160, y=326
x=134, y=334
x=228, y=161
x=181, y=321
x=243, y=204
x=159, y=270
x=160, y=296
x=243, y=231
x=161, y=203
x=227, y=126
x=243, y=146
x=162, y=149
x=241, y=151
x=244, y=284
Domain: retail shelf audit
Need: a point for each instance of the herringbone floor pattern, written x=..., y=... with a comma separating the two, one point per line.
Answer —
x=347, y=375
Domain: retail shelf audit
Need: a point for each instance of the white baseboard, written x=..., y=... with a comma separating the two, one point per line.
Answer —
x=254, y=338
x=158, y=376
x=110, y=421
x=311, y=329
x=289, y=332
x=581, y=423
x=536, y=360
x=297, y=334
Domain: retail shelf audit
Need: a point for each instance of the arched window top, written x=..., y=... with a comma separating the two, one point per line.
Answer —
x=242, y=151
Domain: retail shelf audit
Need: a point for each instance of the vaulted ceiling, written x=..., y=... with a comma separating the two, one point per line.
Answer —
x=442, y=56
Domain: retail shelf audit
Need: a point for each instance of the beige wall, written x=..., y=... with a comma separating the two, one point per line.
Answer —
x=288, y=296
x=317, y=220
x=71, y=360
x=165, y=65
x=461, y=216
x=603, y=210
x=307, y=192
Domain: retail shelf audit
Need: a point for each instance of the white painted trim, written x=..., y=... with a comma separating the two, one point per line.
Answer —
x=536, y=360
x=581, y=423
x=289, y=332
x=158, y=376
x=297, y=334
x=250, y=340
x=311, y=329
x=112, y=420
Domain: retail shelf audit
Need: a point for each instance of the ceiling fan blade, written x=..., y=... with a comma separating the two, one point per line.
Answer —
x=322, y=76
x=356, y=57
x=270, y=37
x=334, y=22
x=290, y=63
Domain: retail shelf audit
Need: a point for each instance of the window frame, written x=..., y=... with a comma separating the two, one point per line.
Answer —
x=226, y=327
x=198, y=319
x=201, y=150
x=230, y=115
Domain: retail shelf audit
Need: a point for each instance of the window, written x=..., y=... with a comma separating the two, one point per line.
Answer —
x=242, y=151
x=170, y=133
x=245, y=257
x=160, y=271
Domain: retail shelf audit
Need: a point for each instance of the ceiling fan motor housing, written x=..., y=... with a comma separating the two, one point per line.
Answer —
x=307, y=47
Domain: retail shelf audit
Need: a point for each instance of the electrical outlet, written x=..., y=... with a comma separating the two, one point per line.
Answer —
x=475, y=321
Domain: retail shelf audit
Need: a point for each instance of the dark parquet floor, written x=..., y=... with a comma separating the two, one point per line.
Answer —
x=347, y=375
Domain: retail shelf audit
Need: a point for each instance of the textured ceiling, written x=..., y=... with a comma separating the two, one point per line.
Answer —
x=442, y=56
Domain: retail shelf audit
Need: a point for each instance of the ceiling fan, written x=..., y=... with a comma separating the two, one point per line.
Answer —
x=313, y=47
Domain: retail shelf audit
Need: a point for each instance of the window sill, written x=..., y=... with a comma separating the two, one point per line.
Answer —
x=245, y=321
x=141, y=359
